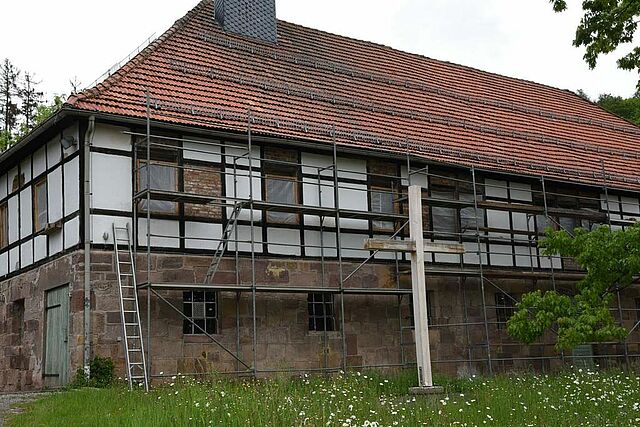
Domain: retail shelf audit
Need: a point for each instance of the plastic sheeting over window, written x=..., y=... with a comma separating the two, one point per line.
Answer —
x=162, y=177
x=282, y=190
x=382, y=202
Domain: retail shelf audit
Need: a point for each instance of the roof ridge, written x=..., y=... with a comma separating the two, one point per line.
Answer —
x=139, y=58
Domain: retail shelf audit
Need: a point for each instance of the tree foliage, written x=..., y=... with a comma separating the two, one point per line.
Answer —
x=9, y=75
x=611, y=260
x=606, y=25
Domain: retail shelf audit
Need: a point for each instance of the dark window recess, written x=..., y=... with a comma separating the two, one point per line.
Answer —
x=40, y=205
x=201, y=307
x=283, y=190
x=163, y=177
x=17, y=315
x=4, y=226
x=321, y=312
x=505, y=308
x=382, y=202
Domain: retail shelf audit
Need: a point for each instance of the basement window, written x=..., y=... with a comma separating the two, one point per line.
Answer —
x=163, y=177
x=40, y=205
x=282, y=189
x=505, y=308
x=4, y=226
x=321, y=312
x=201, y=307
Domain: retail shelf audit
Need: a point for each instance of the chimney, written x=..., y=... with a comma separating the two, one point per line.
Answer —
x=251, y=18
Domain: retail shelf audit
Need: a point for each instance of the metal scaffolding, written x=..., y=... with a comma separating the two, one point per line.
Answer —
x=478, y=240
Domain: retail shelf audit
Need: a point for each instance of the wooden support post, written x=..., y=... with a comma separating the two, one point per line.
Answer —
x=419, y=290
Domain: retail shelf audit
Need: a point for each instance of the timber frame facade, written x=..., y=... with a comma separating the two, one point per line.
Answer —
x=248, y=225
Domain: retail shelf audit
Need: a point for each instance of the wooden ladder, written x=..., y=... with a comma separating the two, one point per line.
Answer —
x=129, y=309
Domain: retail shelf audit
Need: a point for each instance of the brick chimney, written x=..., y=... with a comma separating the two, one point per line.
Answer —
x=251, y=18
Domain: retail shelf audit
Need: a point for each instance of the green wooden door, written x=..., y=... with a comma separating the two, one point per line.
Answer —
x=56, y=355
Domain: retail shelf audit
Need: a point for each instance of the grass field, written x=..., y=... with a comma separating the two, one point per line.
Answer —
x=573, y=398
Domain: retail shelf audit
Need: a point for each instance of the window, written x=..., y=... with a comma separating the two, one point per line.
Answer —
x=444, y=219
x=4, y=226
x=321, y=313
x=505, y=308
x=164, y=177
x=382, y=201
x=202, y=308
x=40, y=205
x=282, y=189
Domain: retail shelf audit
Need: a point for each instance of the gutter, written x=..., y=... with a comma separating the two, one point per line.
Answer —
x=86, y=215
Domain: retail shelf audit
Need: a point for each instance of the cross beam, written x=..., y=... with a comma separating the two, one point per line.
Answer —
x=386, y=245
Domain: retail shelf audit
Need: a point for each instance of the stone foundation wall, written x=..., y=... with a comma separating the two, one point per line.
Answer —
x=376, y=329
x=22, y=334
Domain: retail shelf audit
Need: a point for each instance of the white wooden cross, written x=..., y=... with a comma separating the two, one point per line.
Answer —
x=417, y=246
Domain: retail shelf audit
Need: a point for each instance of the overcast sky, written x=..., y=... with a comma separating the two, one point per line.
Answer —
x=63, y=39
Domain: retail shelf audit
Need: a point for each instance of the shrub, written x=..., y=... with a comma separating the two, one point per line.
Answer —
x=102, y=374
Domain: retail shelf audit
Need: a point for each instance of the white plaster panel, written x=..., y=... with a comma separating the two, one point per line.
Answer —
x=198, y=230
x=74, y=132
x=418, y=177
x=40, y=161
x=54, y=152
x=310, y=197
x=351, y=243
x=352, y=168
x=520, y=221
x=471, y=253
x=14, y=259
x=524, y=256
x=241, y=156
x=72, y=232
x=500, y=255
x=39, y=247
x=110, y=182
x=11, y=178
x=498, y=219
x=495, y=188
x=283, y=241
x=25, y=169
x=317, y=164
x=26, y=254
x=14, y=224
x=244, y=239
x=614, y=205
x=353, y=197
x=55, y=242
x=161, y=227
x=26, y=213
x=243, y=191
x=546, y=263
x=202, y=151
x=71, y=186
x=102, y=225
x=107, y=136
x=54, y=192
x=447, y=258
x=312, y=244
x=3, y=186
x=4, y=263
x=630, y=205
x=520, y=191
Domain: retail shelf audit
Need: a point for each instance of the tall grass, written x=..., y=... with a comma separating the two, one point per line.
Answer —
x=573, y=398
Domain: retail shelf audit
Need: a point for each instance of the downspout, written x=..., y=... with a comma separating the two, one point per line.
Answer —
x=86, y=215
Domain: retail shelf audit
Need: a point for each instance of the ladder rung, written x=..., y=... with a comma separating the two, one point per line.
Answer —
x=137, y=350
x=130, y=311
x=128, y=299
x=135, y=363
x=131, y=324
x=126, y=286
x=133, y=337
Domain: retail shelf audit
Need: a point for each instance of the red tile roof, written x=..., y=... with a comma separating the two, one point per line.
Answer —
x=320, y=86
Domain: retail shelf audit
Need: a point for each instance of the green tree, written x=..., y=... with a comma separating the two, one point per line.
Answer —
x=44, y=111
x=31, y=99
x=8, y=92
x=628, y=108
x=611, y=260
x=606, y=24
